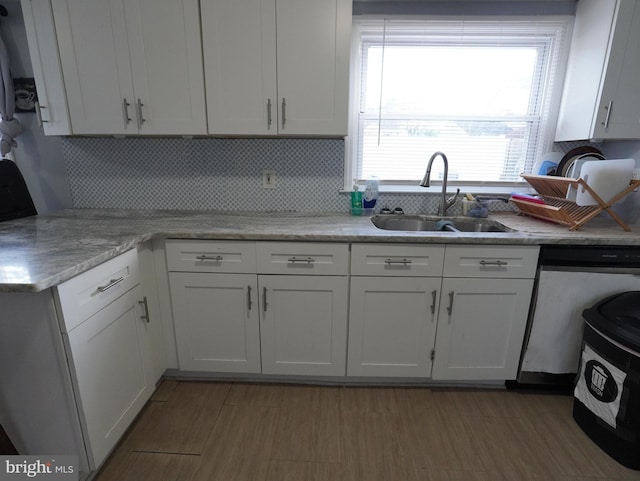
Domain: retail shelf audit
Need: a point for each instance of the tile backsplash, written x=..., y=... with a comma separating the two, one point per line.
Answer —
x=220, y=174
x=217, y=174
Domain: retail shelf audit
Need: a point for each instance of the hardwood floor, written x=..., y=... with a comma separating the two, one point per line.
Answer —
x=201, y=431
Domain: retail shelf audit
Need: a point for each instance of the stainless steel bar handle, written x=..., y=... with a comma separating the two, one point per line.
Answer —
x=39, y=114
x=112, y=283
x=450, y=308
x=249, y=303
x=294, y=259
x=608, y=109
x=141, y=119
x=403, y=261
x=434, y=295
x=269, y=119
x=125, y=112
x=284, y=112
x=205, y=257
x=264, y=299
x=498, y=263
x=145, y=308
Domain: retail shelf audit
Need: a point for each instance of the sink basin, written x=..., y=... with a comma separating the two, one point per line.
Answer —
x=428, y=223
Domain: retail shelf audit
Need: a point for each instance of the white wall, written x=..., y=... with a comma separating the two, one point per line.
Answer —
x=39, y=158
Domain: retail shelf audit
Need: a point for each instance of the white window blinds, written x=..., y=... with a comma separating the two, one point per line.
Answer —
x=483, y=91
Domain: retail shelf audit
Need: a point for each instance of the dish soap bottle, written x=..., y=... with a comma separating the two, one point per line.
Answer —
x=356, y=200
x=370, y=193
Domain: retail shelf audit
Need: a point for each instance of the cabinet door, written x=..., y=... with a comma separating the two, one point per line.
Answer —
x=111, y=363
x=241, y=94
x=313, y=47
x=619, y=105
x=94, y=53
x=166, y=64
x=599, y=99
x=481, y=326
x=216, y=321
x=392, y=326
x=304, y=324
x=47, y=71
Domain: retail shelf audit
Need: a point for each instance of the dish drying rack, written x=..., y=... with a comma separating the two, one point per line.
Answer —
x=557, y=208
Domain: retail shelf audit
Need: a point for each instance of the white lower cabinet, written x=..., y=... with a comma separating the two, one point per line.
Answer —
x=104, y=320
x=392, y=325
x=486, y=293
x=304, y=324
x=452, y=313
x=446, y=312
x=112, y=360
x=481, y=327
x=270, y=307
x=217, y=325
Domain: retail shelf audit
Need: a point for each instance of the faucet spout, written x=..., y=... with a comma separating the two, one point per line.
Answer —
x=426, y=182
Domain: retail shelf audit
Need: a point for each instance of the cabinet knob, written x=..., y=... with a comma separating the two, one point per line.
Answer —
x=434, y=296
x=111, y=283
x=295, y=260
x=284, y=112
x=39, y=113
x=141, y=119
x=404, y=261
x=605, y=123
x=125, y=112
x=205, y=257
x=450, y=307
x=145, y=308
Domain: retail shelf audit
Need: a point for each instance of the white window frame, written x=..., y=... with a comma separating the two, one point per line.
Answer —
x=351, y=146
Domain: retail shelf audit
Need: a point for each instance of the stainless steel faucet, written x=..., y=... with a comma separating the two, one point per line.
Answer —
x=426, y=182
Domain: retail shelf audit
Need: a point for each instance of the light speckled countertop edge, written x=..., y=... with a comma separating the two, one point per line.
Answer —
x=44, y=248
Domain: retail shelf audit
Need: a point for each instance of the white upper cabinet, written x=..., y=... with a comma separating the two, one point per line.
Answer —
x=314, y=39
x=600, y=98
x=293, y=75
x=41, y=36
x=241, y=95
x=132, y=66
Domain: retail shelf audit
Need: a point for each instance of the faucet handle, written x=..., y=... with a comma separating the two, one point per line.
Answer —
x=451, y=200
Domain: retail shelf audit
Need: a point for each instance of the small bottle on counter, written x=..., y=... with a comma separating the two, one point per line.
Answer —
x=356, y=198
x=370, y=193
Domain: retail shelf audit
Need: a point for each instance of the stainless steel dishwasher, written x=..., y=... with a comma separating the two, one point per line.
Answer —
x=570, y=279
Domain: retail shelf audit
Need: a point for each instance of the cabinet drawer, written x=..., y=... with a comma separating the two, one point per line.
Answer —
x=211, y=256
x=491, y=261
x=87, y=293
x=301, y=258
x=397, y=260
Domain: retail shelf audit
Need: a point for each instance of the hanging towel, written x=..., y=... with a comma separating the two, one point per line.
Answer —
x=9, y=126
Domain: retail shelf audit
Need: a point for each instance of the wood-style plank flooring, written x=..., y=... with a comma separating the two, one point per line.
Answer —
x=205, y=431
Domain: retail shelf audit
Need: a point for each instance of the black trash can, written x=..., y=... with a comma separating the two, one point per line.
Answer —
x=607, y=395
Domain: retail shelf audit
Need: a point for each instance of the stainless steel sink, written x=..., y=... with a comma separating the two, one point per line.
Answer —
x=434, y=223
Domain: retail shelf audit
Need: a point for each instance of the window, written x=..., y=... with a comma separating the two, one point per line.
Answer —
x=484, y=92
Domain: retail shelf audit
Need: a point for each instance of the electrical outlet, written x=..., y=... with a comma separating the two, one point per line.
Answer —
x=269, y=179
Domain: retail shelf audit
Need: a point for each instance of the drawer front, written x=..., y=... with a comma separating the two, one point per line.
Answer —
x=211, y=256
x=491, y=261
x=302, y=258
x=397, y=260
x=84, y=295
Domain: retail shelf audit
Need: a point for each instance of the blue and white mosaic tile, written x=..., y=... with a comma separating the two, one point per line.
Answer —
x=219, y=174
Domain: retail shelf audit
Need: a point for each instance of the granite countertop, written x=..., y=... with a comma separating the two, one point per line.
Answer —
x=43, y=251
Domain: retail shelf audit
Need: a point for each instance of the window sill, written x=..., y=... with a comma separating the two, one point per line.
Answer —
x=464, y=188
